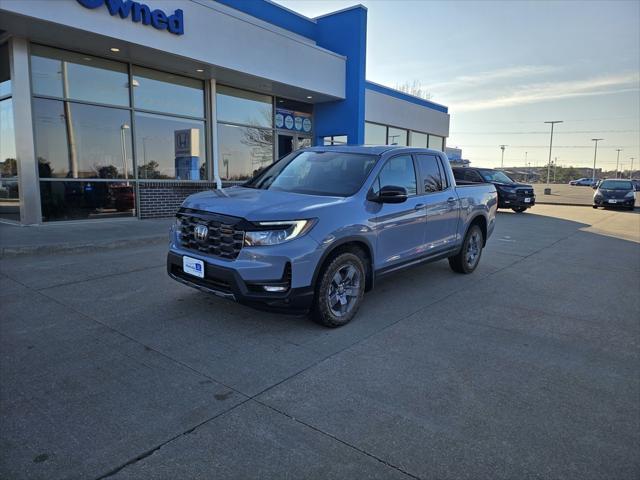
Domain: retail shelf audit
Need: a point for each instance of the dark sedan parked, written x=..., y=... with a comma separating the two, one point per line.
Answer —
x=615, y=193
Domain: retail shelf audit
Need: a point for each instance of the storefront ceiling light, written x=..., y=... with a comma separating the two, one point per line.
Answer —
x=114, y=49
x=309, y=97
x=199, y=70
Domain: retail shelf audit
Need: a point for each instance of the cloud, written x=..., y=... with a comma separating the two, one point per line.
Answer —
x=540, y=92
x=492, y=76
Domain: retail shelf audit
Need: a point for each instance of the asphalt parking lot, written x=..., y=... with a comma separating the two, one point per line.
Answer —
x=526, y=369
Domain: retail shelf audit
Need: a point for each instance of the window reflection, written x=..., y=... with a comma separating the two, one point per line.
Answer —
x=167, y=93
x=243, y=151
x=247, y=108
x=86, y=200
x=82, y=141
x=397, y=136
x=161, y=152
x=9, y=195
x=436, y=142
x=76, y=76
x=417, y=139
x=375, y=134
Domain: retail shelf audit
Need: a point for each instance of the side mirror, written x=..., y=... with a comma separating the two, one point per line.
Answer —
x=391, y=194
x=594, y=186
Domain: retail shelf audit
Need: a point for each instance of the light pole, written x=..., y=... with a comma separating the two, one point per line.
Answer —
x=502, y=147
x=526, y=154
x=618, y=160
x=552, y=122
x=595, y=154
x=631, y=168
x=555, y=167
x=124, y=127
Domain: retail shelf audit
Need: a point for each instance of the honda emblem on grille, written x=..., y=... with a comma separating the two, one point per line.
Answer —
x=201, y=232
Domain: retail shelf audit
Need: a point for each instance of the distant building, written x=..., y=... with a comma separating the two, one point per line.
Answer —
x=455, y=157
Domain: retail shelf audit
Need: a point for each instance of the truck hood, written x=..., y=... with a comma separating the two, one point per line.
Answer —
x=260, y=205
x=512, y=185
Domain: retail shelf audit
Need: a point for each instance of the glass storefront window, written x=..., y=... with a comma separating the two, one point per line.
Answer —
x=170, y=147
x=75, y=140
x=86, y=200
x=167, y=93
x=58, y=73
x=5, y=71
x=436, y=142
x=247, y=108
x=243, y=151
x=397, y=136
x=9, y=198
x=375, y=134
x=417, y=139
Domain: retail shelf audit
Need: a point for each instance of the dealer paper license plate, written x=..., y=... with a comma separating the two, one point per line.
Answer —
x=193, y=266
x=613, y=201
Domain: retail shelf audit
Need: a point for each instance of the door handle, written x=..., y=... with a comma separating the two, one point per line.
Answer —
x=419, y=206
x=451, y=200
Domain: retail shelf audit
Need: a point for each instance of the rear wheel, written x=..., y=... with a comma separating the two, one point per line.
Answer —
x=519, y=209
x=468, y=258
x=340, y=290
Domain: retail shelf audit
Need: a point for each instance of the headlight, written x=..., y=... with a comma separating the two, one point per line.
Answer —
x=508, y=190
x=277, y=232
x=630, y=194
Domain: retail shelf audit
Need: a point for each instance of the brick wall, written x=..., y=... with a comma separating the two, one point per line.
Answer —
x=162, y=199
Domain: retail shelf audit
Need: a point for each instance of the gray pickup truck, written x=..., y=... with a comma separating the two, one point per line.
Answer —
x=318, y=228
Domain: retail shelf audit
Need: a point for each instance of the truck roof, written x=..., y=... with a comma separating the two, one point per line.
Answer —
x=370, y=149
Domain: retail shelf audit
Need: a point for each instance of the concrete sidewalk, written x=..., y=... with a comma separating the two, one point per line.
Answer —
x=83, y=236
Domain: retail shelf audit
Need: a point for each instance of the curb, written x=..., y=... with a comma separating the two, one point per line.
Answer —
x=17, y=251
x=566, y=204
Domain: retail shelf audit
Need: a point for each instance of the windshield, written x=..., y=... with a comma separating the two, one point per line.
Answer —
x=495, y=176
x=616, y=185
x=317, y=173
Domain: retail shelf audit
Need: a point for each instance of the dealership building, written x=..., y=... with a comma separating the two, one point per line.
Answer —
x=121, y=108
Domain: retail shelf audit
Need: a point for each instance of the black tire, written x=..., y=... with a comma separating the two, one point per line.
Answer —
x=595, y=206
x=333, y=285
x=468, y=258
x=519, y=209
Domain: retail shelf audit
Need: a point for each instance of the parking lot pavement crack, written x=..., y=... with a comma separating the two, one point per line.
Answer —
x=98, y=277
x=135, y=340
x=343, y=442
x=158, y=447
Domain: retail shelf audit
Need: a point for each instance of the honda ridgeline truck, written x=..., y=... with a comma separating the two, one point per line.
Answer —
x=318, y=228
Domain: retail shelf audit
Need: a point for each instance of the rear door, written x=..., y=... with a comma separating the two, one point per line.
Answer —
x=442, y=204
x=400, y=226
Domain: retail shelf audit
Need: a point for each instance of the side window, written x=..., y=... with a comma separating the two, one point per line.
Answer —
x=398, y=171
x=443, y=174
x=430, y=171
x=473, y=176
x=458, y=174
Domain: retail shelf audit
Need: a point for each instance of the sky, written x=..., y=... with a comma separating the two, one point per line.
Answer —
x=503, y=68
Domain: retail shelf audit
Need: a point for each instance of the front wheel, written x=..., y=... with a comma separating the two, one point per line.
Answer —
x=340, y=290
x=468, y=258
x=519, y=209
x=594, y=206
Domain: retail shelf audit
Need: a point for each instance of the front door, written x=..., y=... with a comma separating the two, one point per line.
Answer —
x=285, y=145
x=289, y=143
x=399, y=226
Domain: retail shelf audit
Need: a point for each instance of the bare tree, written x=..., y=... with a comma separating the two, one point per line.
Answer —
x=413, y=88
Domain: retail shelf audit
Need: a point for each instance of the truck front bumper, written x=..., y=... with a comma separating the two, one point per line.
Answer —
x=227, y=283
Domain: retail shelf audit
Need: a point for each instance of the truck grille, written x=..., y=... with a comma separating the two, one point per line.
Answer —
x=223, y=238
x=525, y=192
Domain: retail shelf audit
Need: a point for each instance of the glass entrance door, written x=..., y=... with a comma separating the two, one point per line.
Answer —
x=290, y=143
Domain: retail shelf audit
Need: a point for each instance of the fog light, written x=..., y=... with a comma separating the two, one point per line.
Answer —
x=274, y=288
